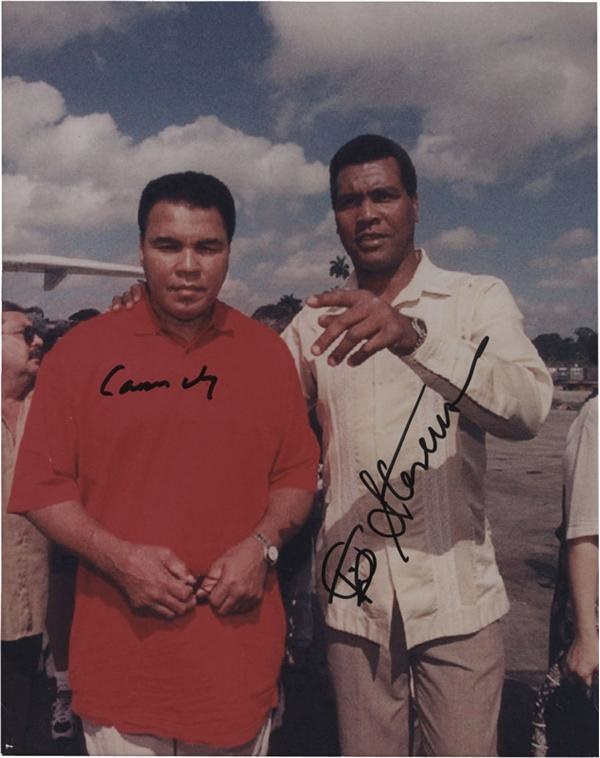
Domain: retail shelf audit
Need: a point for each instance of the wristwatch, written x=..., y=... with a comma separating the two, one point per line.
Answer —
x=420, y=328
x=270, y=551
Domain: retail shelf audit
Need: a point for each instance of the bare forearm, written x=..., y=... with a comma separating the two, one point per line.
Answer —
x=582, y=557
x=152, y=576
x=287, y=510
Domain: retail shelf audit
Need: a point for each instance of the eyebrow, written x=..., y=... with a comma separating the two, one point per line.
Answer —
x=175, y=240
x=392, y=189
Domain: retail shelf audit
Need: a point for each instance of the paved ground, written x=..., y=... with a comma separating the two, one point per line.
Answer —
x=524, y=504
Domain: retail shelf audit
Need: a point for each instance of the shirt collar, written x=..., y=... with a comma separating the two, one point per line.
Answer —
x=146, y=323
x=427, y=278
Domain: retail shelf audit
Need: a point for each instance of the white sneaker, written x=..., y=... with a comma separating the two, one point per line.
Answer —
x=63, y=720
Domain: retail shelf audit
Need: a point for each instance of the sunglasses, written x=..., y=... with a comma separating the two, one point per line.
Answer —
x=29, y=334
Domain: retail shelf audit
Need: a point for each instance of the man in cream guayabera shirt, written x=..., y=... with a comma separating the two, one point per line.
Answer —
x=24, y=548
x=409, y=577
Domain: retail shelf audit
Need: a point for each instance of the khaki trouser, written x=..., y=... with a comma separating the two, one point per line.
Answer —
x=457, y=685
x=106, y=740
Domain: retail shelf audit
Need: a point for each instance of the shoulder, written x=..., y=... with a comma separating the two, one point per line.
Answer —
x=254, y=335
x=586, y=422
x=459, y=281
x=87, y=339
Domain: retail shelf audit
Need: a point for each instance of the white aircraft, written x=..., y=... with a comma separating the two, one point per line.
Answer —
x=56, y=267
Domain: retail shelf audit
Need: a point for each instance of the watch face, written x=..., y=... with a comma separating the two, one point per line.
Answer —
x=272, y=554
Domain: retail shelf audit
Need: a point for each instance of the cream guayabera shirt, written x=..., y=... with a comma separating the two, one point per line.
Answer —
x=24, y=553
x=373, y=417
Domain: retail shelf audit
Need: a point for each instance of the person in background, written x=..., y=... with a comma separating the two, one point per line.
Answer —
x=296, y=565
x=566, y=712
x=24, y=547
x=61, y=590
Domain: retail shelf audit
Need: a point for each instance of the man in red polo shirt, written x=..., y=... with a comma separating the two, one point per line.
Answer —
x=169, y=448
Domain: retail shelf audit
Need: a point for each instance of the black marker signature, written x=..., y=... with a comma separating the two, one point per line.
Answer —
x=146, y=386
x=357, y=586
x=394, y=521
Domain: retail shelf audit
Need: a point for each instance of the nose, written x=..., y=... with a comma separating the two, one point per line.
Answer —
x=367, y=213
x=188, y=263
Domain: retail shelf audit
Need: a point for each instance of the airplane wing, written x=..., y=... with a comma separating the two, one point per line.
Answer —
x=56, y=267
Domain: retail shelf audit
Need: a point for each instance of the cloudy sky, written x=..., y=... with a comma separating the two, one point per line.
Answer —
x=495, y=102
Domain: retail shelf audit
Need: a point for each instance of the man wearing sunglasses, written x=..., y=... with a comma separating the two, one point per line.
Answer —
x=24, y=548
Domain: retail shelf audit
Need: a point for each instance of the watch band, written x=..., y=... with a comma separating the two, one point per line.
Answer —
x=270, y=551
x=420, y=328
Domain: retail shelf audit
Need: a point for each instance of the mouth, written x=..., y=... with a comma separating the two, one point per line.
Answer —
x=370, y=240
x=187, y=289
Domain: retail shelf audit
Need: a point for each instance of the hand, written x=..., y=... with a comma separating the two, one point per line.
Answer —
x=582, y=660
x=235, y=581
x=154, y=579
x=367, y=317
x=128, y=299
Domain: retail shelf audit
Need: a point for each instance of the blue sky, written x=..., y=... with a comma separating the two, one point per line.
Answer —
x=494, y=101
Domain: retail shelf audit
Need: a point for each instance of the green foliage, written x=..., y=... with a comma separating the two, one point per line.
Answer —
x=291, y=302
x=557, y=350
x=339, y=267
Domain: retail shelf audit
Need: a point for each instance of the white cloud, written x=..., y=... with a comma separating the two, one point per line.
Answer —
x=539, y=186
x=69, y=172
x=46, y=26
x=575, y=275
x=461, y=239
x=544, y=262
x=577, y=237
x=562, y=316
x=491, y=81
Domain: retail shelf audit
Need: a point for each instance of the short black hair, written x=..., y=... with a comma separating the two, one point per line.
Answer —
x=276, y=316
x=8, y=306
x=372, y=147
x=191, y=188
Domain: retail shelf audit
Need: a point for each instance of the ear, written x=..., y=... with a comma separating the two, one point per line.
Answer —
x=141, y=251
x=415, y=205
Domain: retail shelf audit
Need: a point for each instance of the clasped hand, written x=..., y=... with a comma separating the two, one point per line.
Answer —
x=155, y=579
x=235, y=581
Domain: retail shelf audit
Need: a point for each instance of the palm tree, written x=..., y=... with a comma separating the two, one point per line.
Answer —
x=339, y=267
x=291, y=302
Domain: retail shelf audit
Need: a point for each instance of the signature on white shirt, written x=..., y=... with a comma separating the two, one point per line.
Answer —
x=386, y=520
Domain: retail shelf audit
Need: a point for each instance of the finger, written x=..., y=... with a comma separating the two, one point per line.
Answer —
x=177, y=606
x=324, y=321
x=136, y=291
x=372, y=346
x=352, y=338
x=162, y=610
x=207, y=586
x=115, y=303
x=218, y=593
x=344, y=298
x=180, y=591
x=177, y=567
x=337, y=326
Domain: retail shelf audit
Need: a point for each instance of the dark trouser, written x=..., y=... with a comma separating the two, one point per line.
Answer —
x=457, y=688
x=19, y=665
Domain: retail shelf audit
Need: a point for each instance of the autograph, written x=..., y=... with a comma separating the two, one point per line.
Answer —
x=387, y=521
x=146, y=386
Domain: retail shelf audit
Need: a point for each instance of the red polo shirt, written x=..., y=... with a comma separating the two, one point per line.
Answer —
x=119, y=423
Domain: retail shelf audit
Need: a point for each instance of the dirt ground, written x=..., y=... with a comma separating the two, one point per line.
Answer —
x=523, y=486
